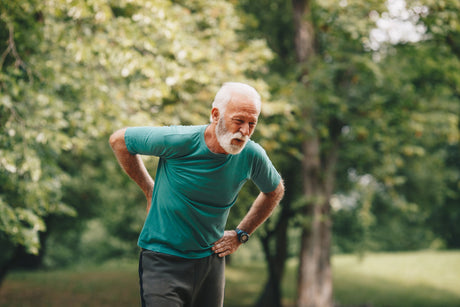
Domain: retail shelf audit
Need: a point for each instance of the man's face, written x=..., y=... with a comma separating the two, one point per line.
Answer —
x=237, y=124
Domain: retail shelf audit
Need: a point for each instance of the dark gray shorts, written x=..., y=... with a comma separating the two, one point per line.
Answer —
x=171, y=281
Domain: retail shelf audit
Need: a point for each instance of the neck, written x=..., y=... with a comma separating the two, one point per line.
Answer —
x=210, y=139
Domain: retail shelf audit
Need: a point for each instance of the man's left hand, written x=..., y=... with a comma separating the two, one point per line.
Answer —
x=226, y=245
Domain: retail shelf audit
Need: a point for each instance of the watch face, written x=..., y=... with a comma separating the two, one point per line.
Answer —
x=243, y=236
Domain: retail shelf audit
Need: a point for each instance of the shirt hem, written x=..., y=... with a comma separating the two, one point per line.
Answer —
x=180, y=254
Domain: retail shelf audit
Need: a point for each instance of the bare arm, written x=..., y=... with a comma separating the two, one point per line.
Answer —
x=132, y=164
x=260, y=210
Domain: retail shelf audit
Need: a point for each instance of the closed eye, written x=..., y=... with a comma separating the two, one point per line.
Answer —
x=240, y=121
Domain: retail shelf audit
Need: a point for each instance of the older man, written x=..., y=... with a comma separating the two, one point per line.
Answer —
x=200, y=172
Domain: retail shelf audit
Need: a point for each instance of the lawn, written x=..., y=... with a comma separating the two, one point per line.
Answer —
x=421, y=279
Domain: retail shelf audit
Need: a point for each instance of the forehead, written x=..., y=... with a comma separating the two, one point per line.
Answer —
x=241, y=105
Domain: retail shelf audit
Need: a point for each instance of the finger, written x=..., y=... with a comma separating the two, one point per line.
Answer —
x=219, y=241
x=217, y=248
x=223, y=254
x=224, y=250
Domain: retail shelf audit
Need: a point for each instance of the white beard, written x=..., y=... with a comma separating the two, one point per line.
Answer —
x=224, y=137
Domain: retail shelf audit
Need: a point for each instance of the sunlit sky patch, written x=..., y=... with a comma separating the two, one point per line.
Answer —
x=399, y=24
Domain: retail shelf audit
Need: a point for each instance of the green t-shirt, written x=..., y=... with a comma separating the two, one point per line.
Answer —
x=194, y=187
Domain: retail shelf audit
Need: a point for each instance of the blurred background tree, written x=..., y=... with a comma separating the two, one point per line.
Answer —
x=376, y=119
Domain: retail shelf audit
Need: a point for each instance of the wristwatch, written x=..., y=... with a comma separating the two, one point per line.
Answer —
x=243, y=236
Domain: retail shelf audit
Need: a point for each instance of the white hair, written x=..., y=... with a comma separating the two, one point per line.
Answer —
x=224, y=95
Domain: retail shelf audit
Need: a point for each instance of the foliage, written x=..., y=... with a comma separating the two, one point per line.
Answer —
x=31, y=131
x=393, y=109
x=82, y=69
x=407, y=145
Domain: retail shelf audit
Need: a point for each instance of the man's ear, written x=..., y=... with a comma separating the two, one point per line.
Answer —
x=215, y=114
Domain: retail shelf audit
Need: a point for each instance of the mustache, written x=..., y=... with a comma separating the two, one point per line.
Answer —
x=240, y=136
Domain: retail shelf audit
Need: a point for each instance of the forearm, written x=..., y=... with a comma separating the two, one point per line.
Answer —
x=261, y=209
x=131, y=164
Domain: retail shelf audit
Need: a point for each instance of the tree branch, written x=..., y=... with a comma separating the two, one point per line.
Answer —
x=12, y=49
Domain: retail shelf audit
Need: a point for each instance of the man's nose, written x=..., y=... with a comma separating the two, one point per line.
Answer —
x=244, y=129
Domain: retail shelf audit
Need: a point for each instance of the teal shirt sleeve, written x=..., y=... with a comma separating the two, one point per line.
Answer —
x=143, y=140
x=263, y=173
x=155, y=141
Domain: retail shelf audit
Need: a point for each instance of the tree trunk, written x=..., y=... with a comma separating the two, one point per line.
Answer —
x=271, y=295
x=304, y=32
x=275, y=246
x=7, y=257
x=315, y=276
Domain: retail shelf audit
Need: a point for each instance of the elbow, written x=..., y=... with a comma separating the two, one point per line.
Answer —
x=117, y=139
x=280, y=190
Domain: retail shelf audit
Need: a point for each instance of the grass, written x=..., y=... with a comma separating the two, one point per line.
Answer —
x=92, y=286
x=421, y=279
